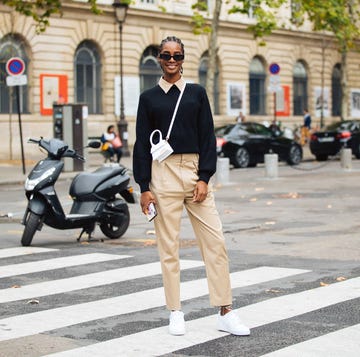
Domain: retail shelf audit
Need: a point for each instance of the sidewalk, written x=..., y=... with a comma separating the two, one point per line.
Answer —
x=11, y=171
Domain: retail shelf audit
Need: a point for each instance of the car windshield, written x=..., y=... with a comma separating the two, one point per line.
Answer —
x=224, y=130
x=241, y=129
x=343, y=125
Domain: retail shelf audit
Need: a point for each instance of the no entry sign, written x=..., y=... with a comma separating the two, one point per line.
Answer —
x=15, y=66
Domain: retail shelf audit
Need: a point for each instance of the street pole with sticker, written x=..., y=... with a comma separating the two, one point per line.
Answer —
x=15, y=67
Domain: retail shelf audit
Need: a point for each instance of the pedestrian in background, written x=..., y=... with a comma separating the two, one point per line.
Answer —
x=240, y=118
x=111, y=143
x=182, y=180
x=305, y=130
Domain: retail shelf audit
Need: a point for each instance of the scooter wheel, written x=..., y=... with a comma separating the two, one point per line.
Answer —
x=31, y=225
x=113, y=231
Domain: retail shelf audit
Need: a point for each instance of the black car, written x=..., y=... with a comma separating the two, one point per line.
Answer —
x=245, y=144
x=329, y=141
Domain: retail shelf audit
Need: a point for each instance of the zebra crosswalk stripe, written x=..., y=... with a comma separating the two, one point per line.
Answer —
x=88, y=281
x=345, y=342
x=57, y=263
x=203, y=329
x=38, y=322
x=18, y=251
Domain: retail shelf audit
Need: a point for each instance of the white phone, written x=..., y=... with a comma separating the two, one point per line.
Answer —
x=152, y=213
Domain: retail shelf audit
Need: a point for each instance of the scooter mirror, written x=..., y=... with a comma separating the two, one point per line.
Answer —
x=94, y=144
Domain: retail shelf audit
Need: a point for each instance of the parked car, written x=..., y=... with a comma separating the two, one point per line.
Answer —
x=245, y=144
x=331, y=139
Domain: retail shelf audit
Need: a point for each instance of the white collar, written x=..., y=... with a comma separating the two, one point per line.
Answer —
x=165, y=85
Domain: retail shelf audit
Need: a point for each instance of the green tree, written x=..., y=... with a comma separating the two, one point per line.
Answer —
x=42, y=10
x=266, y=22
x=337, y=17
x=200, y=25
x=341, y=19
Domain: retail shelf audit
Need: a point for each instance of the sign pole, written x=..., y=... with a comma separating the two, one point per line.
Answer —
x=274, y=69
x=274, y=107
x=15, y=67
x=20, y=129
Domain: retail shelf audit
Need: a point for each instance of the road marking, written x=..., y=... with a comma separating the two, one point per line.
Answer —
x=345, y=342
x=56, y=263
x=18, y=251
x=88, y=281
x=38, y=322
x=157, y=341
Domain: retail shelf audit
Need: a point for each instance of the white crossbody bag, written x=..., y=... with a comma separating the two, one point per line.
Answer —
x=162, y=149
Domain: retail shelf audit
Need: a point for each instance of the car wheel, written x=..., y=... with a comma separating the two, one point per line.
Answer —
x=241, y=158
x=295, y=155
x=322, y=157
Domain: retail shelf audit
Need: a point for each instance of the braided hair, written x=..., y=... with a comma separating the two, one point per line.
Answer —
x=172, y=39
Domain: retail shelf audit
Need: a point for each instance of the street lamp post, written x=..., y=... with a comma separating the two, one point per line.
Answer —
x=120, y=13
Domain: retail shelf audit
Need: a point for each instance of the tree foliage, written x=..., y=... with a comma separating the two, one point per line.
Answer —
x=340, y=17
x=264, y=11
x=266, y=21
x=39, y=10
x=42, y=10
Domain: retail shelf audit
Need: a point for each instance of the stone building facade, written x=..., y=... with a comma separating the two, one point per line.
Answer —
x=77, y=60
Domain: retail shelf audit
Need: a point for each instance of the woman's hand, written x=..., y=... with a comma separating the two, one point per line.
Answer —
x=200, y=192
x=145, y=199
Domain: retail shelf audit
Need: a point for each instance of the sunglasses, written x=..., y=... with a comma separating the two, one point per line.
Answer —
x=167, y=57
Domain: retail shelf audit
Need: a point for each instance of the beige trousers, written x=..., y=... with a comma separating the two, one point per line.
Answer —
x=173, y=182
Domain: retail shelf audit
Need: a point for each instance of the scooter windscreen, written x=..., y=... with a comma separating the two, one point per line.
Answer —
x=54, y=147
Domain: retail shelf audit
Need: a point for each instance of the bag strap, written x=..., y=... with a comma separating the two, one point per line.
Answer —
x=153, y=133
x=174, y=114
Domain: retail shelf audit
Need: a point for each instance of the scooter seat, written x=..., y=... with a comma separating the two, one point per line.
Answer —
x=86, y=182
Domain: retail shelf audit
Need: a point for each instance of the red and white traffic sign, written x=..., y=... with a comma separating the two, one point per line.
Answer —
x=15, y=66
x=274, y=68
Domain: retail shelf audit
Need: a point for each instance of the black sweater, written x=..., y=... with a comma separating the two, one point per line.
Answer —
x=192, y=132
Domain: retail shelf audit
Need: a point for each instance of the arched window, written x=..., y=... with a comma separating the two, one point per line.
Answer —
x=12, y=46
x=88, y=77
x=336, y=90
x=257, y=92
x=203, y=69
x=300, y=94
x=150, y=70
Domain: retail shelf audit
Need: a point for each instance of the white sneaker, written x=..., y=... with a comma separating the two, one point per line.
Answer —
x=177, y=323
x=231, y=323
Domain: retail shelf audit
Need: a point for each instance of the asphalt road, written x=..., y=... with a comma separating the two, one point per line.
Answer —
x=294, y=250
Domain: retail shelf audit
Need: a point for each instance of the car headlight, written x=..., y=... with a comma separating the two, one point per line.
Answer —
x=30, y=184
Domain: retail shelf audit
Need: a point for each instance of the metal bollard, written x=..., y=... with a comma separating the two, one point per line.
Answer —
x=345, y=158
x=271, y=165
x=222, y=170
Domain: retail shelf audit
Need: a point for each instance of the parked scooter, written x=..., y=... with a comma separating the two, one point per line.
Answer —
x=96, y=195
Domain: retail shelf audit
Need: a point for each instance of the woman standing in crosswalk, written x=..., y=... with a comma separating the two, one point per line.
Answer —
x=182, y=180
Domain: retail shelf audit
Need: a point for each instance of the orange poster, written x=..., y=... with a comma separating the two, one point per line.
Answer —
x=53, y=89
x=283, y=102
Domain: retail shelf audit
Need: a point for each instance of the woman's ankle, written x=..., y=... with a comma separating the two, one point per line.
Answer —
x=225, y=309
